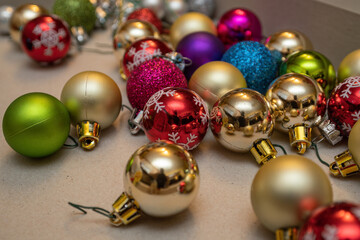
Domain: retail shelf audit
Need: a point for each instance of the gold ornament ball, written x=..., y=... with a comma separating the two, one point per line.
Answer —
x=296, y=99
x=190, y=23
x=287, y=42
x=21, y=16
x=129, y=32
x=283, y=188
x=349, y=66
x=92, y=96
x=212, y=80
x=354, y=142
x=163, y=178
x=241, y=117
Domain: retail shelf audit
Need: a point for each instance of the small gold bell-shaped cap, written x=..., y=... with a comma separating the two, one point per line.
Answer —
x=287, y=234
x=263, y=151
x=344, y=165
x=300, y=137
x=125, y=210
x=88, y=134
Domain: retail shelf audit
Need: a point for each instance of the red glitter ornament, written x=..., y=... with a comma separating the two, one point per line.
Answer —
x=142, y=51
x=150, y=77
x=340, y=221
x=344, y=105
x=46, y=39
x=147, y=15
x=177, y=115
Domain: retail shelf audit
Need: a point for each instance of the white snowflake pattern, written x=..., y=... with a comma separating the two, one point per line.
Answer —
x=204, y=118
x=346, y=127
x=189, y=140
x=141, y=56
x=49, y=38
x=174, y=137
x=214, y=114
x=309, y=236
x=356, y=212
x=146, y=113
x=197, y=101
x=170, y=92
x=356, y=115
x=329, y=233
x=353, y=82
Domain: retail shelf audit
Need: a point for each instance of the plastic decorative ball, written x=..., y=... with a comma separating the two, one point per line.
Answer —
x=21, y=16
x=200, y=48
x=176, y=115
x=340, y=221
x=206, y=7
x=349, y=66
x=46, y=39
x=255, y=62
x=150, y=77
x=285, y=190
x=146, y=15
x=174, y=9
x=76, y=13
x=239, y=118
x=314, y=65
x=158, y=6
x=212, y=80
x=36, y=125
x=239, y=25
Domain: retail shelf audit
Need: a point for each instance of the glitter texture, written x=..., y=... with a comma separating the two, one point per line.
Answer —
x=150, y=77
x=255, y=62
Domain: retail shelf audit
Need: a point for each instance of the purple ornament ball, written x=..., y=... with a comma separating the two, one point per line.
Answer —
x=239, y=25
x=201, y=48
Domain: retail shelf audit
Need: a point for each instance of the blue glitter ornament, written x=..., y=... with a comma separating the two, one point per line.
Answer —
x=255, y=62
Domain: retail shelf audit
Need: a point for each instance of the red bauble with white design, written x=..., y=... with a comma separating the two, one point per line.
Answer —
x=340, y=221
x=344, y=105
x=46, y=38
x=177, y=115
x=142, y=51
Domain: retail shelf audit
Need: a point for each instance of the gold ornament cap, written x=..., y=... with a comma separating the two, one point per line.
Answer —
x=300, y=137
x=263, y=151
x=88, y=134
x=287, y=234
x=125, y=210
x=344, y=165
x=329, y=131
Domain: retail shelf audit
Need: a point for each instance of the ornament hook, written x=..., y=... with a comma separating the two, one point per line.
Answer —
x=314, y=146
x=134, y=120
x=75, y=145
x=99, y=210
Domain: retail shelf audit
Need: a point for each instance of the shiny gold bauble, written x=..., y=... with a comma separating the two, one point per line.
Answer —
x=349, y=66
x=212, y=80
x=21, y=16
x=92, y=96
x=296, y=99
x=163, y=178
x=354, y=142
x=241, y=117
x=131, y=31
x=287, y=189
x=190, y=23
x=287, y=42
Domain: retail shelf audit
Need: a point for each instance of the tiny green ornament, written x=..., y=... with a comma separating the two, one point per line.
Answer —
x=36, y=125
x=76, y=13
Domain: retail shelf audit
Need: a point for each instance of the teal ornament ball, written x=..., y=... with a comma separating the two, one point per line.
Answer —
x=36, y=125
x=77, y=13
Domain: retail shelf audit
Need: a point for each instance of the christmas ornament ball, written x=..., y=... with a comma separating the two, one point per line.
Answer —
x=176, y=115
x=150, y=77
x=206, y=7
x=286, y=189
x=212, y=80
x=76, y=13
x=92, y=96
x=190, y=23
x=349, y=66
x=46, y=39
x=200, y=48
x=36, y=125
x=174, y=9
x=146, y=15
x=239, y=25
x=5, y=15
x=255, y=62
x=21, y=16
x=163, y=178
x=241, y=117
x=157, y=6
x=340, y=221
x=354, y=142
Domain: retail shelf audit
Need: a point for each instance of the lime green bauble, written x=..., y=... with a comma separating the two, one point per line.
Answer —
x=77, y=13
x=314, y=65
x=36, y=125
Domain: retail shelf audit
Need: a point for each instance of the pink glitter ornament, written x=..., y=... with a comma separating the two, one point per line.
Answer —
x=150, y=77
x=177, y=115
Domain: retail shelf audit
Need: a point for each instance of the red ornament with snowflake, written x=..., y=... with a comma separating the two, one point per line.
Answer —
x=142, y=51
x=177, y=115
x=46, y=39
x=344, y=105
x=340, y=221
x=147, y=15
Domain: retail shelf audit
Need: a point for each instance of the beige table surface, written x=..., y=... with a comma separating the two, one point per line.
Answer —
x=34, y=193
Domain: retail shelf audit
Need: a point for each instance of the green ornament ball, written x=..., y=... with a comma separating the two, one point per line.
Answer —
x=36, y=125
x=76, y=13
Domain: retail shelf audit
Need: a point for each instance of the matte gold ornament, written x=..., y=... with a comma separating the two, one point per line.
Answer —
x=349, y=66
x=190, y=23
x=299, y=105
x=286, y=190
x=287, y=42
x=21, y=16
x=212, y=80
x=94, y=101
